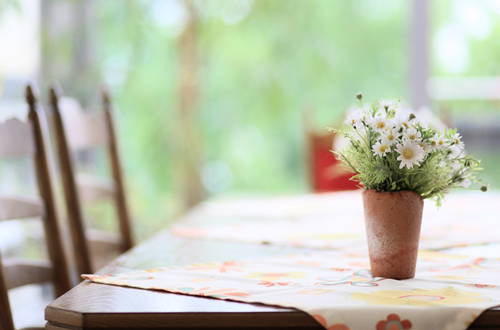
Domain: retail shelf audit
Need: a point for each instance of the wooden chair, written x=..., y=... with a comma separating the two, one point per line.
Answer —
x=324, y=170
x=29, y=139
x=76, y=130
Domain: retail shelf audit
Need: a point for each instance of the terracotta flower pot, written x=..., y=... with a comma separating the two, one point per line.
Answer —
x=393, y=221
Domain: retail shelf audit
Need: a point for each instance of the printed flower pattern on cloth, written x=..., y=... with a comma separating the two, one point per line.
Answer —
x=393, y=322
x=480, y=286
x=140, y=278
x=450, y=277
x=419, y=297
x=271, y=283
x=221, y=268
x=360, y=278
x=269, y=276
x=475, y=267
x=208, y=292
x=338, y=326
x=340, y=269
x=153, y=270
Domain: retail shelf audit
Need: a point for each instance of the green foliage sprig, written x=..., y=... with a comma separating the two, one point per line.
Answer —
x=394, y=150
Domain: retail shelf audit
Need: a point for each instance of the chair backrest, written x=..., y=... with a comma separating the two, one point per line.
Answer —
x=77, y=130
x=29, y=139
x=324, y=170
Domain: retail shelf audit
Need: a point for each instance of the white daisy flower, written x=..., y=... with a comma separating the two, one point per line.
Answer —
x=380, y=148
x=412, y=134
x=402, y=120
x=351, y=120
x=361, y=115
x=440, y=141
x=355, y=113
x=410, y=154
x=378, y=123
x=426, y=146
x=423, y=125
x=456, y=139
x=385, y=105
x=433, y=142
x=389, y=136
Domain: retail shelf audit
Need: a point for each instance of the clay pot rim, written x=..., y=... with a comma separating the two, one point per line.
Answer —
x=383, y=192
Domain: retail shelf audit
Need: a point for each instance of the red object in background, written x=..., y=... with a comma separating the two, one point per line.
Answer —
x=327, y=173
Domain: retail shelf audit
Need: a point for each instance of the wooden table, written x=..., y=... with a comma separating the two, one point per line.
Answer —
x=98, y=306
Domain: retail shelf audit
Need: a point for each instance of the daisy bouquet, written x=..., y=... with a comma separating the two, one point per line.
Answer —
x=392, y=149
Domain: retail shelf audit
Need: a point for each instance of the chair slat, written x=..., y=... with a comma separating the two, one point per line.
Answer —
x=19, y=272
x=116, y=170
x=92, y=188
x=6, y=321
x=20, y=207
x=16, y=138
x=84, y=130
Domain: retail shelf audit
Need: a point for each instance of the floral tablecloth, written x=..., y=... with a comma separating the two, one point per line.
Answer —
x=448, y=292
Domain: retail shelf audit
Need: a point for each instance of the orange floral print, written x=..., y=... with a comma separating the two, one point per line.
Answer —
x=338, y=326
x=480, y=286
x=271, y=284
x=341, y=269
x=393, y=322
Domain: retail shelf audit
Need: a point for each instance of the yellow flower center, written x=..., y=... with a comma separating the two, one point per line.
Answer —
x=441, y=142
x=412, y=136
x=433, y=143
x=390, y=137
x=353, y=121
x=382, y=148
x=380, y=124
x=422, y=145
x=406, y=125
x=408, y=154
x=457, y=141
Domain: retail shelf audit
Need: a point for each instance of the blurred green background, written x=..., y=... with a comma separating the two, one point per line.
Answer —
x=221, y=85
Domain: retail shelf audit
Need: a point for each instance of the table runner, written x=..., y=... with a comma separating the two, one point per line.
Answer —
x=336, y=288
x=336, y=221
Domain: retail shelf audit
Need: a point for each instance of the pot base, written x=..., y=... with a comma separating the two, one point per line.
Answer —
x=398, y=266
